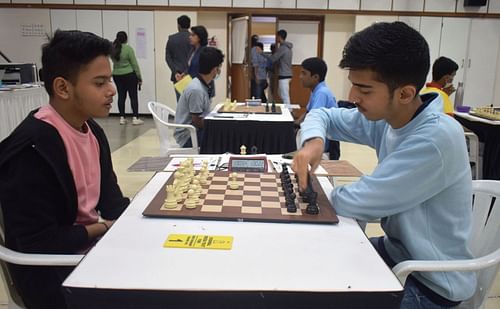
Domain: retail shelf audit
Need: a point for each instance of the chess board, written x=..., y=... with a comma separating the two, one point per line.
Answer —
x=490, y=113
x=259, y=198
x=244, y=109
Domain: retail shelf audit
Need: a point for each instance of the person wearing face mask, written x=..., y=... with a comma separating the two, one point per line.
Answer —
x=194, y=103
x=443, y=71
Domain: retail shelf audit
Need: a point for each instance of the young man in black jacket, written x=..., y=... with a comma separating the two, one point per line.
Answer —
x=58, y=191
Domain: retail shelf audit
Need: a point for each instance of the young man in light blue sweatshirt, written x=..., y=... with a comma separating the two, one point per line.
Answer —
x=421, y=187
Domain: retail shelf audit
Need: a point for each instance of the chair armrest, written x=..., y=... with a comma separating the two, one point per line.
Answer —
x=18, y=258
x=403, y=269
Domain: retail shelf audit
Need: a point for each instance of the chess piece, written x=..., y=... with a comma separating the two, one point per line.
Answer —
x=267, y=107
x=233, y=183
x=243, y=150
x=233, y=105
x=312, y=208
x=227, y=105
x=291, y=206
x=253, y=150
x=171, y=200
x=190, y=202
x=273, y=108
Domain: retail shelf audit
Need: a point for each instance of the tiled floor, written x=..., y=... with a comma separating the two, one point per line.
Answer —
x=129, y=143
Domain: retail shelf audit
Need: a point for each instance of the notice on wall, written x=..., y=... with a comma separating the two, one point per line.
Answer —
x=37, y=30
x=141, y=43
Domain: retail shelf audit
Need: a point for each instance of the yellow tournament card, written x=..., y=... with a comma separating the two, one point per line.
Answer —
x=183, y=83
x=198, y=241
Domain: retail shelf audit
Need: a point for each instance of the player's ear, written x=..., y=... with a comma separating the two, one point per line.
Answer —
x=61, y=88
x=406, y=94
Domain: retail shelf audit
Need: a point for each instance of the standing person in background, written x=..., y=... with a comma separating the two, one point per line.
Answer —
x=283, y=56
x=443, y=72
x=272, y=77
x=127, y=77
x=313, y=75
x=198, y=40
x=177, y=50
x=259, y=64
x=253, y=54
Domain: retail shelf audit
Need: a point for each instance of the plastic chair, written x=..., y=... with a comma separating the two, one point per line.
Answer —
x=474, y=152
x=165, y=129
x=484, y=245
x=14, y=257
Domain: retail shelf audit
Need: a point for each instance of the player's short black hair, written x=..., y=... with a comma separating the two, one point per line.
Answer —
x=202, y=33
x=67, y=52
x=184, y=21
x=443, y=66
x=397, y=53
x=210, y=57
x=260, y=44
x=282, y=33
x=315, y=65
x=254, y=39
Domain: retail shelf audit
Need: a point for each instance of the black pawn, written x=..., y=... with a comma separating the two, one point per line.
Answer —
x=273, y=108
x=290, y=206
x=267, y=107
x=312, y=208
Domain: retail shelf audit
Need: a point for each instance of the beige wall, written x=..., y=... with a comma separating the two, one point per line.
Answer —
x=165, y=24
x=216, y=24
x=338, y=29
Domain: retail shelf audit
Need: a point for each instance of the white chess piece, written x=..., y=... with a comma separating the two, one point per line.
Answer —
x=233, y=183
x=170, y=201
x=190, y=202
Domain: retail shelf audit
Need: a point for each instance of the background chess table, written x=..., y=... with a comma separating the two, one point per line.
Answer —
x=249, y=109
x=259, y=198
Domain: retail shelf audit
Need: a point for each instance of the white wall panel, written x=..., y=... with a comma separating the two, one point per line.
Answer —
x=141, y=38
x=4, y=1
x=152, y=2
x=471, y=9
x=430, y=28
x=363, y=21
x=440, y=5
x=90, y=1
x=184, y=2
x=494, y=6
x=343, y=4
x=282, y=4
x=58, y=1
x=25, y=1
x=89, y=20
x=376, y=5
x=112, y=22
x=408, y=5
x=312, y=4
x=248, y=3
x=123, y=2
x=218, y=3
x=25, y=31
x=412, y=21
x=63, y=19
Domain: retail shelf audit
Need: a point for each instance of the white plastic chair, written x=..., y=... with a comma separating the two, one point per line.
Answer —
x=474, y=153
x=484, y=244
x=14, y=257
x=165, y=129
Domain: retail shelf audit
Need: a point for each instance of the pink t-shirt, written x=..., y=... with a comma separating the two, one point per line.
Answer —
x=83, y=158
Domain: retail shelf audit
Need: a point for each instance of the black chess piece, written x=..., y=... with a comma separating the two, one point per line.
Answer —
x=273, y=108
x=290, y=206
x=254, y=150
x=267, y=107
x=312, y=208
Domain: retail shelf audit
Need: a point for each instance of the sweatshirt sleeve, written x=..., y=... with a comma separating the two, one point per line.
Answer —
x=393, y=187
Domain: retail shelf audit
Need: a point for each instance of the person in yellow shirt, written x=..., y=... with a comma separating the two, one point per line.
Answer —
x=443, y=71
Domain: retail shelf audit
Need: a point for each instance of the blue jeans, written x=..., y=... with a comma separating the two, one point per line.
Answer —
x=413, y=298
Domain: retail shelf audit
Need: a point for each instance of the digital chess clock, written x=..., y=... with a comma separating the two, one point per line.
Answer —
x=256, y=164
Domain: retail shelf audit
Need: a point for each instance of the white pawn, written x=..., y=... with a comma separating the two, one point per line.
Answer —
x=191, y=200
x=170, y=201
x=233, y=183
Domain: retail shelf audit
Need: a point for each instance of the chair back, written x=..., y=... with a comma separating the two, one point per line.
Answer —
x=473, y=148
x=485, y=237
x=165, y=128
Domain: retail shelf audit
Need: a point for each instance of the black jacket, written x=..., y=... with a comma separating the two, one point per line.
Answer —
x=39, y=203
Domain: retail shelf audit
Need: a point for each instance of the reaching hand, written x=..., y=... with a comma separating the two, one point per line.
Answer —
x=309, y=154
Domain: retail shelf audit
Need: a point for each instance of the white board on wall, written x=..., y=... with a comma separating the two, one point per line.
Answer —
x=343, y=4
x=440, y=5
x=218, y=3
x=248, y=3
x=303, y=34
x=27, y=29
x=312, y=4
x=288, y=4
x=63, y=20
x=376, y=5
x=89, y=2
x=90, y=21
x=408, y=5
x=184, y=2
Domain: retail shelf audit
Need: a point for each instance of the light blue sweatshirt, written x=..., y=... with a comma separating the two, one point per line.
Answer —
x=421, y=188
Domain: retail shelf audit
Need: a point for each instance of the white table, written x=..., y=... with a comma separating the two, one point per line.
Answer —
x=15, y=106
x=270, y=264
